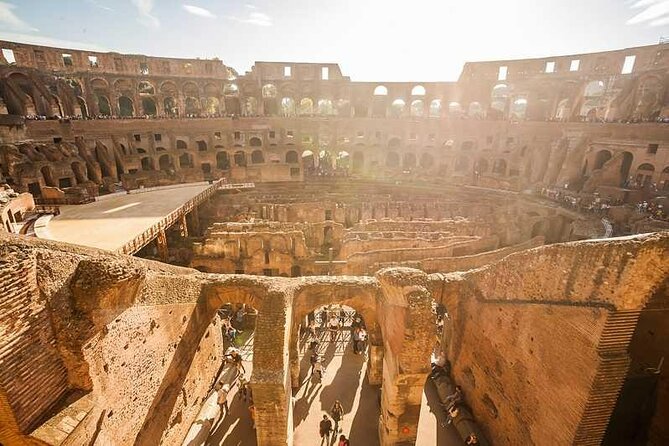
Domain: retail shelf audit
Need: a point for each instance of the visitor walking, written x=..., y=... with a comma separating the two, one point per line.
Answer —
x=325, y=428
x=333, y=327
x=362, y=340
x=356, y=340
x=243, y=388
x=343, y=441
x=337, y=413
x=313, y=359
x=223, y=390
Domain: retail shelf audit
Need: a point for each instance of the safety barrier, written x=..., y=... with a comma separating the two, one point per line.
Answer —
x=151, y=233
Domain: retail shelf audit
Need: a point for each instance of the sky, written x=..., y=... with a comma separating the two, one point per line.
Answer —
x=372, y=40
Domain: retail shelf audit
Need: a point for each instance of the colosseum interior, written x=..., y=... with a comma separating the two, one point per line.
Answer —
x=163, y=218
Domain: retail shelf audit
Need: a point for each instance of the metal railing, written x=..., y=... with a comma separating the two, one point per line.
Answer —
x=151, y=233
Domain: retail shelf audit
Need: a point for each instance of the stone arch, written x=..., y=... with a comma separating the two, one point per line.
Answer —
x=475, y=110
x=306, y=107
x=397, y=108
x=417, y=108
x=240, y=158
x=601, y=158
x=325, y=107
x=250, y=106
x=435, y=108
x=182, y=145
x=426, y=160
x=380, y=90
x=392, y=160
x=418, y=90
x=145, y=88
x=165, y=163
x=222, y=160
x=83, y=107
x=147, y=163
x=104, y=107
x=149, y=106
x=644, y=174
x=288, y=107
x=255, y=142
x=191, y=106
x=292, y=157
x=48, y=176
x=185, y=160
x=499, y=167
x=170, y=107
x=257, y=157
x=308, y=160
x=126, y=108
x=79, y=172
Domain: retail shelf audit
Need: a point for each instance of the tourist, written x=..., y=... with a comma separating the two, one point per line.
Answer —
x=243, y=388
x=223, y=390
x=318, y=371
x=325, y=428
x=312, y=328
x=236, y=358
x=356, y=340
x=232, y=333
x=357, y=323
x=337, y=413
x=333, y=327
x=471, y=439
x=362, y=340
x=313, y=345
x=252, y=413
x=313, y=360
x=343, y=441
x=454, y=398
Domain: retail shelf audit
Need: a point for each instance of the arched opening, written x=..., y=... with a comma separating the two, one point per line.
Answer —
x=185, y=160
x=602, y=157
x=269, y=95
x=181, y=145
x=104, y=107
x=409, y=161
x=325, y=107
x=149, y=106
x=240, y=158
x=125, y=107
x=201, y=145
x=454, y=108
x=170, y=107
x=47, y=175
x=426, y=161
x=145, y=88
x=306, y=107
x=593, y=101
x=435, y=108
x=291, y=157
x=79, y=172
x=222, y=161
x=380, y=90
x=326, y=161
x=358, y=162
x=255, y=142
x=308, y=161
x=147, y=163
x=287, y=107
x=212, y=106
x=192, y=106
x=397, y=108
x=563, y=111
x=625, y=167
x=392, y=160
x=519, y=109
x=251, y=106
x=418, y=90
x=499, y=167
x=644, y=174
x=475, y=110
x=257, y=157
x=165, y=163
x=481, y=165
x=499, y=99
x=82, y=107
x=417, y=108
x=343, y=160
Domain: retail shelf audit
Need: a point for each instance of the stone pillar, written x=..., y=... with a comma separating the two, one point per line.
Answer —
x=270, y=381
x=161, y=245
x=183, y=226
x=408, y=334
x=194, y=221
x=294, y=359
x=375, y=365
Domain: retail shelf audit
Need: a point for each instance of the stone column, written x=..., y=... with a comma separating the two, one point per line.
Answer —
x=161, y=245
x=194, y=227
x=183, y=226
x=270, y=381
x=408, y=328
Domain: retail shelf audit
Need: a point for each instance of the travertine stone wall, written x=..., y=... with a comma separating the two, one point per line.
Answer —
x=531, y=336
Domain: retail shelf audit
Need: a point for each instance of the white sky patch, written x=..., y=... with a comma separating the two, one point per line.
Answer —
x=254, y=18
x=145, y=9
x=250, y=6
x=99, y=5
x=11, y=21
x=49, y=41
x=654, y=13
x=200, y=12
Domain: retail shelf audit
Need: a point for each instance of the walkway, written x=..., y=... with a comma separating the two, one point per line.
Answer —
x=127, y=222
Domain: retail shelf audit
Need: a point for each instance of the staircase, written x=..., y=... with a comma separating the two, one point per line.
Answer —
x=613, y=367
